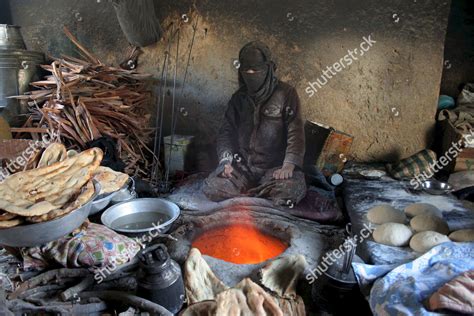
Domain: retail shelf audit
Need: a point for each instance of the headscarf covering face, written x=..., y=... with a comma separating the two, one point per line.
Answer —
x=260, y=83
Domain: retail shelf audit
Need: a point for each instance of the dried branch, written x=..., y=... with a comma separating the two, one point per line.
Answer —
x=46, y=278
x=84, y=99
x=127, y=298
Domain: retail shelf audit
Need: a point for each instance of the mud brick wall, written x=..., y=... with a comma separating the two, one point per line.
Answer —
x=386, y=98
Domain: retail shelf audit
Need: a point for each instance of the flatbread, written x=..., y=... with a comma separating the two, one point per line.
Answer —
x=38, y=191
x=85, y=195
x=55, y=152
x=110, y=180
x=282, y=274
x=71, y=153
x=5, y=216
x=200, y=282
x=11, y=223
x=245, y=298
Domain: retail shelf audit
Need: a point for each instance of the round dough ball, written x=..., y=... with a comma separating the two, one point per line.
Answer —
x=424, y=241
x=392, y=234
x=425, y=222
x=413, y=210
x=462, y=235
x=385, y=213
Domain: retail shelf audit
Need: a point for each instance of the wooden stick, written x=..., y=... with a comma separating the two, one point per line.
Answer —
x=130, y=299
x=78, y=288
x=48, y=277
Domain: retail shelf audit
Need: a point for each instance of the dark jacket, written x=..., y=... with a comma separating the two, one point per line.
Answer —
x=266, y=136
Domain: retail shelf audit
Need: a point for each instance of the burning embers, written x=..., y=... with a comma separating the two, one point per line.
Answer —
x=239, y=243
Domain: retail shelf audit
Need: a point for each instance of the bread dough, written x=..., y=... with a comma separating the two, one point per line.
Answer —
x=385, y=213
x=425, y=222
x=413, y=210
x=393, y=234
x=462, y=235
x=424, y=241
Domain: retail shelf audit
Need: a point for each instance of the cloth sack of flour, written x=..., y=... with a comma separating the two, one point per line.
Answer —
x=414, y=165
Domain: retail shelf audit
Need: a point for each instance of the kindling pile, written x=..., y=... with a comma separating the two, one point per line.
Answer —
x=84, y=99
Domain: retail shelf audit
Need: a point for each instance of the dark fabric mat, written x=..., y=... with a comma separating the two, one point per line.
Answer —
x=316, y=206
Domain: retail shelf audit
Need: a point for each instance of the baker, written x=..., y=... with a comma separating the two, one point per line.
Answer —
x=261, y=141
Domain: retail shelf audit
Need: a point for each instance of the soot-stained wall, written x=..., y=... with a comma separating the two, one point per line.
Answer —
x=386, y=97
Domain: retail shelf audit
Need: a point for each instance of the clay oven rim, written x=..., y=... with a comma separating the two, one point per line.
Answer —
x=194, y=227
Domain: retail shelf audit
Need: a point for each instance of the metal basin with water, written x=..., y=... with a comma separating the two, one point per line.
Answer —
x=141, y=215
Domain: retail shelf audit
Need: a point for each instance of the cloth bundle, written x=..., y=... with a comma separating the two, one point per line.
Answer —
x=414, y=165
x=92, y=245
x=462, y=117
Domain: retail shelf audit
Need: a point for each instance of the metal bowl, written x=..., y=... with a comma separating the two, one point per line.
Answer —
x=140, y=216
x=101, y=202
x=436, y=187
x=31, y=235
x=127, y=193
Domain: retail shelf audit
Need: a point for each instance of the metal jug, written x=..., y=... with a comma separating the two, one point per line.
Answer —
x=160, y=279
x=10, y=37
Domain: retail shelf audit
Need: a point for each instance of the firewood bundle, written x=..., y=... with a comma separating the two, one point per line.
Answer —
x=83, y=99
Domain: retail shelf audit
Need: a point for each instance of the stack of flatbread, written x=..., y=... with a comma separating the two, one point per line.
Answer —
x=110, y=180
x=58, y=186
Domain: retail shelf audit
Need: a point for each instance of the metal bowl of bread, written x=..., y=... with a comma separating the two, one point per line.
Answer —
x=111, y=182
x=46, y=203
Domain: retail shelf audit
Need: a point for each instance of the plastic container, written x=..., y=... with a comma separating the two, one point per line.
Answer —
x=175, y=154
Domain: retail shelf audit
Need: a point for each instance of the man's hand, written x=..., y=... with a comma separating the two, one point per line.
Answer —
x=227, y=173
x=285, y=172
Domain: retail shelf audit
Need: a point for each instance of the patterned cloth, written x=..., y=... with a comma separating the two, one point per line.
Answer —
x=401, y=290
x=414, y=165
x=93, y=245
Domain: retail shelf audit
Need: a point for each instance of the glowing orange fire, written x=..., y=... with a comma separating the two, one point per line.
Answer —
x=238, y=243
